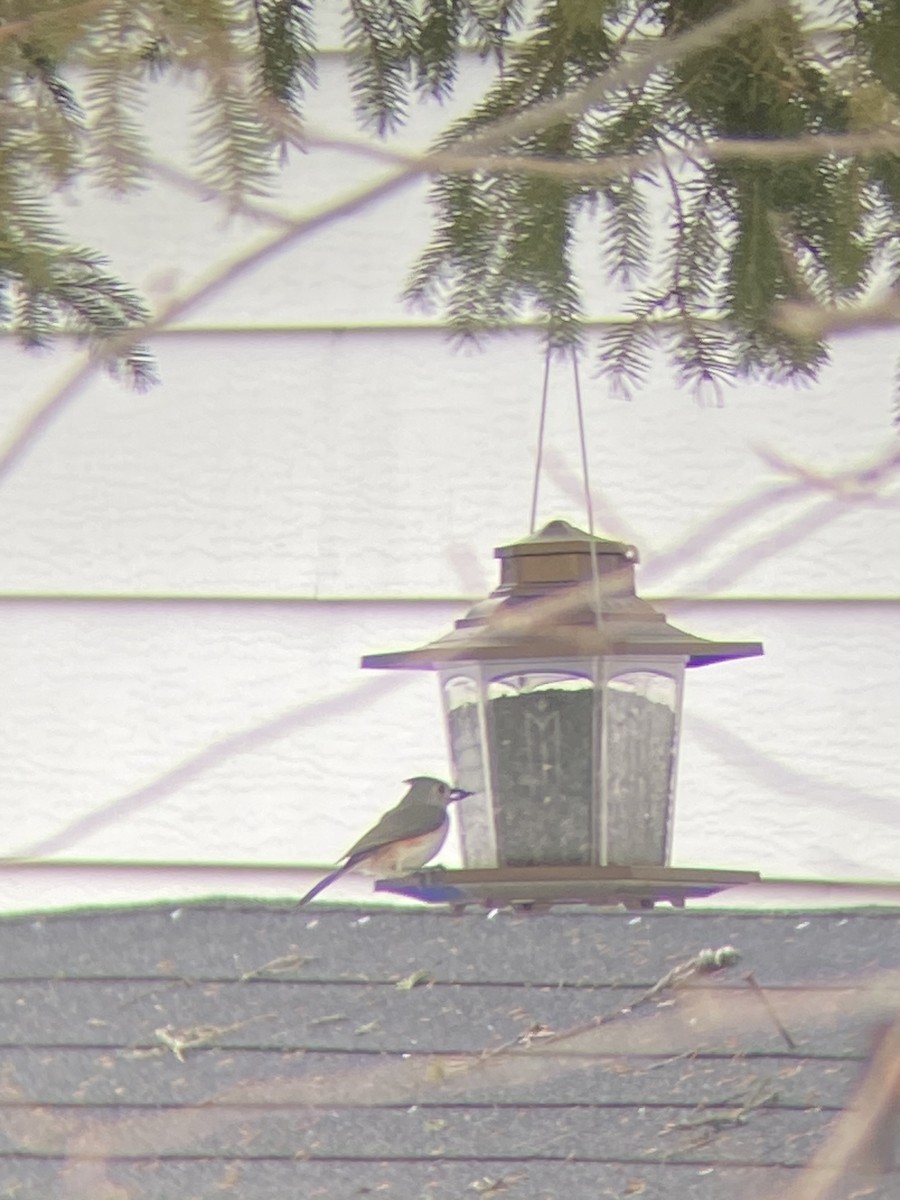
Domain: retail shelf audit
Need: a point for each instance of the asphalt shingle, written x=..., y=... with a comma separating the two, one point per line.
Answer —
x=158, y=1053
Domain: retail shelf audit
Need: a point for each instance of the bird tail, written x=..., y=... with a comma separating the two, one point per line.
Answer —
x=323, y=884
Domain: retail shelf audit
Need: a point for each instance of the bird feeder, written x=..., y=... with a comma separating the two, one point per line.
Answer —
x=562, y=698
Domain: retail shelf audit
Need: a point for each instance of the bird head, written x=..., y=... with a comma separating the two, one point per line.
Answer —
x=424, y=789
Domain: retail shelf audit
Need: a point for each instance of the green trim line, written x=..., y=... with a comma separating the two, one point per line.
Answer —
x=368, y=327
x=239, y=598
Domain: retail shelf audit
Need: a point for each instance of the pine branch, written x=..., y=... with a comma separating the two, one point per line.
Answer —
x=627, y=348
x=97, y=307
x=49, y=407
x=42, y=67
x=560, y=51
x=778, y=148
x=702, y=352
x=235, y=152
x=624, y=241
x=113, y=97
x=489, y=25
x=287, y=50
x=38, y=136
x=382, y=38
x=49, y=288
x=573, y=104
x=493, y=259
x=437, y=46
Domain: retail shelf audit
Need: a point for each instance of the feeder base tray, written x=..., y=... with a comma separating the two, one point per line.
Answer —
x=539, y=888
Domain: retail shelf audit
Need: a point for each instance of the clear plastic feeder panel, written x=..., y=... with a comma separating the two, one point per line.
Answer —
x=569, y=766
x=465, y=729
x=637, y=765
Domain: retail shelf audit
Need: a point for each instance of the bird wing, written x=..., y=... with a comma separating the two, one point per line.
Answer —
x=408, y=821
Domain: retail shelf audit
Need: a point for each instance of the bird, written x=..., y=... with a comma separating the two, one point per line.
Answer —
x=406, y=837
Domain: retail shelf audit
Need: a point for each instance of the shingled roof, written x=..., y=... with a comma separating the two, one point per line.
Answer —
x=167, y=1054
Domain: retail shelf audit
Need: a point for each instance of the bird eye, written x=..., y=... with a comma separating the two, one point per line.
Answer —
x=442, y=789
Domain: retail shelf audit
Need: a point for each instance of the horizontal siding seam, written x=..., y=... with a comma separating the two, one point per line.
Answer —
x=380, y=599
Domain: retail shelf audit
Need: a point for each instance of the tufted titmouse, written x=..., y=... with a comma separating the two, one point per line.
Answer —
x=405, y=838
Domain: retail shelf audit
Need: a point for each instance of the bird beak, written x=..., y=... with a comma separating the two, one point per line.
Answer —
x=458, y=794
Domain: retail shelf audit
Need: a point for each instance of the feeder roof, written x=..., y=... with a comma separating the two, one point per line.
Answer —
x=563, y=594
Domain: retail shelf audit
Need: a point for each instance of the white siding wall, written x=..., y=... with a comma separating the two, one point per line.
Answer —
x=190, y=576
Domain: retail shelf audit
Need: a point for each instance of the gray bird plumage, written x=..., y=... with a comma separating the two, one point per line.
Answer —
x=422, y=810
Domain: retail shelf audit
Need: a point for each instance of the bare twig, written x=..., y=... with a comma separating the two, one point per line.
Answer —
x=705, y=962
x=51, y=16
x=861, y=482
x=714, y=1120
x=662, y=52
x=179, y=1041
x=819, y=320
x=50, y=408
x=464, y=160
x=769, y=1007
x=192, y=185
x=283, y=965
